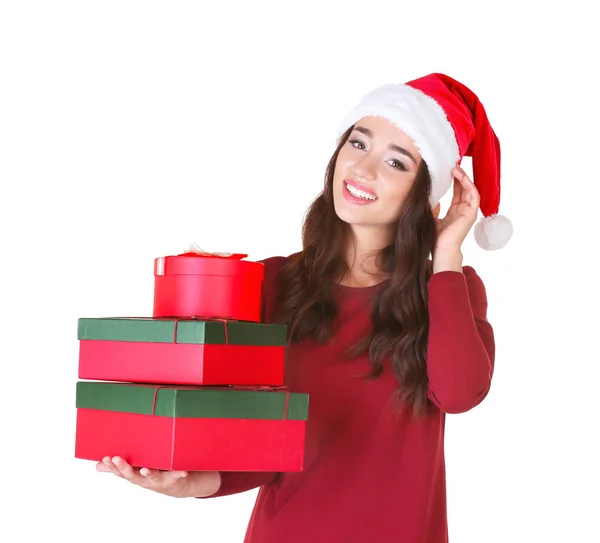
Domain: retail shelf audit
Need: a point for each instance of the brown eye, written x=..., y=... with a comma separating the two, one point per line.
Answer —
x=357, y=143
x=398, y=165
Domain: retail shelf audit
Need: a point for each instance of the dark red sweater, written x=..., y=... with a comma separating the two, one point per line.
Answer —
x=370, y=475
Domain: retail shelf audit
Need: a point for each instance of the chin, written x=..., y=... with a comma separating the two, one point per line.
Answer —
x=350, y=215
x=344, y=217
x=342, y=211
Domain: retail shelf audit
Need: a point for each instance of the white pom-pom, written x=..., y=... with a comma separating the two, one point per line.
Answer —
x=493, y=232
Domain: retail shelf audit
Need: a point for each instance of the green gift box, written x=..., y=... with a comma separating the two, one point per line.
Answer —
x=192, y=428
x=181, y=351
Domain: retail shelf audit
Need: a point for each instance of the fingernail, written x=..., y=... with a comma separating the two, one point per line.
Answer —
x=106, y=460
x=144, y=472
x=116, y=460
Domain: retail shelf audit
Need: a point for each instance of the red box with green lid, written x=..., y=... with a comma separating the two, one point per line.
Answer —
x=208, y=285
x=181, y=351
x=191, y=428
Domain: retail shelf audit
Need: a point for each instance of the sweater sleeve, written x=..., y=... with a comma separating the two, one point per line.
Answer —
x=235, y=482
x=461, y=348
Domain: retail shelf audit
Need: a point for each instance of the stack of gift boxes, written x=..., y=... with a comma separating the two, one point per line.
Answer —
x=196, y=386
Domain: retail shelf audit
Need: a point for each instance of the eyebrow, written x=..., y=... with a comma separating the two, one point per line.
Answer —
x=393, y=146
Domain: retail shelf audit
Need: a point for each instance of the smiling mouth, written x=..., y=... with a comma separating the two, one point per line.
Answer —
x=357, y=193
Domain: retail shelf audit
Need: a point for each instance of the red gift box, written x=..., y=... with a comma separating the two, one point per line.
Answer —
x=191, y=428
x=208, y=285
x=181, y=351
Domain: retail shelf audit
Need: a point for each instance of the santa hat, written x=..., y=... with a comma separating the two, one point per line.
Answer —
x=446, y=122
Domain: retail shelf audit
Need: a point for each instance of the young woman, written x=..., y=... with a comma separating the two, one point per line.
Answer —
x=388, y=330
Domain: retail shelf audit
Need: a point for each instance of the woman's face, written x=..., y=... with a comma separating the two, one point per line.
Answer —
x=374, y=173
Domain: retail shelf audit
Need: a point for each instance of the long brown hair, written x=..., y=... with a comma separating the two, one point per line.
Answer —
x=399, y=313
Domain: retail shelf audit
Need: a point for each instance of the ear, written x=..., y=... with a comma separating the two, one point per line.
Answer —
x=436, y=210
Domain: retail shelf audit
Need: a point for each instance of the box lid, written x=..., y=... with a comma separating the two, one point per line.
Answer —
x=171, y=330
x=193, y=401
x=191, y=263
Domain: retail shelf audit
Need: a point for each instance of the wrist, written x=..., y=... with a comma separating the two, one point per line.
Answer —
x=447, y=260
x=202, y=484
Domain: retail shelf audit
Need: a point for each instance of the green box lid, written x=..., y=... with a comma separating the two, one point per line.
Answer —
x=191, y=401
x=165, y=330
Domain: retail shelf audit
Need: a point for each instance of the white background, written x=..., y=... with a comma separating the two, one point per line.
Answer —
x=131, y=129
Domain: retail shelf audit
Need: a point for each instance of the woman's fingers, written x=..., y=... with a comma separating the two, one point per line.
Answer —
x=153, y=479
x=457, y=192
x=107, y=466
x=152, y=476
x=174, y=476
x=127, y=471
x=470, y=194
x=157, y=478
x=101, y=466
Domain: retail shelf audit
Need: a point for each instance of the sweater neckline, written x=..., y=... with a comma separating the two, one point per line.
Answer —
x=356, y=290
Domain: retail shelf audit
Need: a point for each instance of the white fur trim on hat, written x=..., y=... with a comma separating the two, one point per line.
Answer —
x=423, y=120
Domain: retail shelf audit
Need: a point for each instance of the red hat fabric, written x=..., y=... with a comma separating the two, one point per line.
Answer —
x=446, y=122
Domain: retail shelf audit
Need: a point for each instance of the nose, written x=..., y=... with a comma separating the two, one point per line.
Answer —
x=365, y=169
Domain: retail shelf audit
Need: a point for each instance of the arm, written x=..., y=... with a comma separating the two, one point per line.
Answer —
x=461, y=349
x=234, y=482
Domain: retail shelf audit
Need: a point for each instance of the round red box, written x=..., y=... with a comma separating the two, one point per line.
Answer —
x=199, y=285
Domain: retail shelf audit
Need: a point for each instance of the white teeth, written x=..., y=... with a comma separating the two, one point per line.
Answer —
x=359, y=193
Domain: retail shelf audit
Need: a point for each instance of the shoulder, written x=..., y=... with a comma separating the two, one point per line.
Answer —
x=270, y=289
x=273, y=264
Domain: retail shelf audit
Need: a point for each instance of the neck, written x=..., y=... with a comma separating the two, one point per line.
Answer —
x=361, y=256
